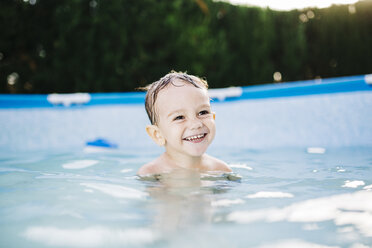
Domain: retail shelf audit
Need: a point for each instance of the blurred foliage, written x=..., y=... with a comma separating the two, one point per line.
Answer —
x=118, y=45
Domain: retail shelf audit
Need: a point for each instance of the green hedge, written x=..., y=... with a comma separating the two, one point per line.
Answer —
x=117, y=45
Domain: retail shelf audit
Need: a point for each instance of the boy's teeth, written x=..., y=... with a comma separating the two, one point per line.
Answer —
x=195, y=137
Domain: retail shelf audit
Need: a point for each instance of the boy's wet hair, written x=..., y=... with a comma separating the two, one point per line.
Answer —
x=154, y=89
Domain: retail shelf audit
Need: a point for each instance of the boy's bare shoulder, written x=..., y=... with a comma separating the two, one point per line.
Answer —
x=160, y=166
x=215, y=164
x=148, y=169
x=154, y=167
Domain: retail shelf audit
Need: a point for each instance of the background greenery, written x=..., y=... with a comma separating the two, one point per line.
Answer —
x=104, y=46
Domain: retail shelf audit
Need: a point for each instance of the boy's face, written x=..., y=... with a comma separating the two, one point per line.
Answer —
x=185, y=119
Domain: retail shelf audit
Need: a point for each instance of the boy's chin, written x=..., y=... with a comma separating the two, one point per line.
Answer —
x=196, y=153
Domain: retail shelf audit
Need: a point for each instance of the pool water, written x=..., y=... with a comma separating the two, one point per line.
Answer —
x=303, y=151
x=287, y=197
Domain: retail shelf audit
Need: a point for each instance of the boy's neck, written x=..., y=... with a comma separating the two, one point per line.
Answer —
x=183, y=161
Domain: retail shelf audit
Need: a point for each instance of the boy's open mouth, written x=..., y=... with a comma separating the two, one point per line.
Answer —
x=196, y=138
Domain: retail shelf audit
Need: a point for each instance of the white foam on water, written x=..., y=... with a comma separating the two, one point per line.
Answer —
x=268, y=194
x=358, y=245
x=368, y=187
x=226, y=202
x=240, y=166
x=344, y=209
x=346, y=229
x=316, y=150
x=349, y=233
x=116, y=191
x=5, y=169
x=126, y=170
x=353, y=184
x=79, y=164
x=295, y=243
x=95, y=236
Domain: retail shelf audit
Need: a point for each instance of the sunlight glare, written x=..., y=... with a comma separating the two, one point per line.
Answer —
x=288, y=5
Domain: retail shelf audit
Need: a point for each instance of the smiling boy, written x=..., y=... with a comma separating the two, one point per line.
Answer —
x=182, y=121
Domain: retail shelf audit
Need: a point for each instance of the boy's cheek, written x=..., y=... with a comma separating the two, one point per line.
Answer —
x=211, y=121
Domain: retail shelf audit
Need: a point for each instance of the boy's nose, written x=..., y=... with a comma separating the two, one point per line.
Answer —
x=195, y=124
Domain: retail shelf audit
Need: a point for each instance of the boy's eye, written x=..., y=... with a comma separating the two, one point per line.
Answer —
x=180, y=117
x=204, y=112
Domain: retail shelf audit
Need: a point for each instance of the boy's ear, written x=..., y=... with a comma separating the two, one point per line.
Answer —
x=155, y=134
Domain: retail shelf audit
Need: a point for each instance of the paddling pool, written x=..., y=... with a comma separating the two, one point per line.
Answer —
x=304, y=151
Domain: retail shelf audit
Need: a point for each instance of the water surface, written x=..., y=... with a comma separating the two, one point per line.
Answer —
x=295, y=197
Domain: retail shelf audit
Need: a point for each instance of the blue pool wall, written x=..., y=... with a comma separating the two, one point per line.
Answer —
x=299, y=88
x=334, y=112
